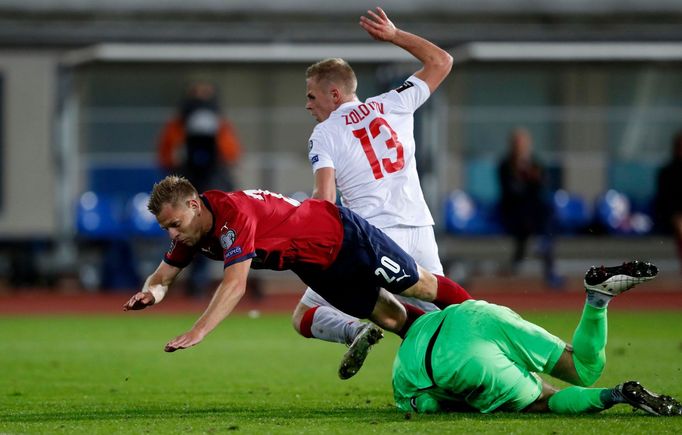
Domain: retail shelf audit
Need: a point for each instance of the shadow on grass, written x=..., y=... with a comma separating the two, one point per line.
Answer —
x=185, y=411
x=254, y=413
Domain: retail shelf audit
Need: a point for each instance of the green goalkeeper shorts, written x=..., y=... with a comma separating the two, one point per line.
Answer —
x=485, y=355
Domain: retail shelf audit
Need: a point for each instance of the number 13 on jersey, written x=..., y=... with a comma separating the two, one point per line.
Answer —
x=389, y=165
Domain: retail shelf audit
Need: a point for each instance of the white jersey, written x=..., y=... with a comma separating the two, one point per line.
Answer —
x=371, y=147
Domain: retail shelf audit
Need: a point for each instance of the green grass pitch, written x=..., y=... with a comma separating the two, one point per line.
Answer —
x=108, y=374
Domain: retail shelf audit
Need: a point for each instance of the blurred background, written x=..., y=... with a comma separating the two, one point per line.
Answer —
x=86, y=88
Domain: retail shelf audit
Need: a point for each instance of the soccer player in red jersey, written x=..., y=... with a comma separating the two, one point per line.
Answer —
x=352, y=264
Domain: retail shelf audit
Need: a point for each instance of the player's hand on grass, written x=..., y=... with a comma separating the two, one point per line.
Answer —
x=184, y=341
x=378, y=25
x=139, y=301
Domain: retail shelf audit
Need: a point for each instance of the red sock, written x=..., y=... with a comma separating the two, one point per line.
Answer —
x=306, y=325
x=449, y=293
x=413, y=314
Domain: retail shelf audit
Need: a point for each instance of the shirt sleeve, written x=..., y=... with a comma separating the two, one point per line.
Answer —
x=238, y=241
x=320, y=150
x=408, y=97
x=179, y=255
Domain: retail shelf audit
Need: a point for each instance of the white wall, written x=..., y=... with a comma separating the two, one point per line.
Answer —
x=28, y=176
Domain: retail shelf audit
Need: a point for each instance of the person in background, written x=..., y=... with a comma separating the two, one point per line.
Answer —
x=669, y=196
x=199, y=143
x=524, y=207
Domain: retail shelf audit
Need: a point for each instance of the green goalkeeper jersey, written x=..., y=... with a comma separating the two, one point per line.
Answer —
x=481, y=356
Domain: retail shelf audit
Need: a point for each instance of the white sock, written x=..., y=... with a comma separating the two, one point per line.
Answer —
x=330, y=324
x=598, y=300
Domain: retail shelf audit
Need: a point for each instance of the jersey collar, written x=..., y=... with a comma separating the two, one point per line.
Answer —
x=347, y=104
x=208, y=206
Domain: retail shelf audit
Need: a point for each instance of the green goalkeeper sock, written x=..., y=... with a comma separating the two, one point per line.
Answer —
x=589, y=344
x=578, y=400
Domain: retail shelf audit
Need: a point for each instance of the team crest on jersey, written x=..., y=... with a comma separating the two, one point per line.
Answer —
x=310, y=145
x=314, y=159
x=227, y=237
x=407, y=85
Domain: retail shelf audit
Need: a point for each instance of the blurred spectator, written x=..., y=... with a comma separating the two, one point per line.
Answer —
x=669, y=195
x=524, y=205
x=200, y=144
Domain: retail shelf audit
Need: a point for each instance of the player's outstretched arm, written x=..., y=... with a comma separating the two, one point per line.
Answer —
x=154, y=289
x=226, y=297
x=437, y=62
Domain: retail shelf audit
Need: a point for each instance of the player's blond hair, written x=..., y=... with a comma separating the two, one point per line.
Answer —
x=171, y=190
x=336, y=71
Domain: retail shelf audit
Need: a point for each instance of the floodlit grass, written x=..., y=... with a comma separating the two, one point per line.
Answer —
x=109, y=374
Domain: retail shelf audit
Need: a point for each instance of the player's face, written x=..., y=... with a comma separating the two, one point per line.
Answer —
x=321, y=99
x=182, y=222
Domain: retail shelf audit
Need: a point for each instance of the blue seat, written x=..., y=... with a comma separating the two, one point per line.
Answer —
x=99, y=216
x=141, y=221
x=641, y=223
x=571, y=211
x=131, y=177
x=463, y=215
x=613, y=212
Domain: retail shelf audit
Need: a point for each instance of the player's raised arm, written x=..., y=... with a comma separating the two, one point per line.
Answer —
x=226, y=297
x=154, y=289
x=437, y=62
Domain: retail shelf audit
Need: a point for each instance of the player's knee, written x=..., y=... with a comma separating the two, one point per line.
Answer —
x=588, y=377
x=425, y=289
x=428, y=284
x=541, y=404
x=388, y=312
x=302, y=319
x=296, y=323
x=588, y=374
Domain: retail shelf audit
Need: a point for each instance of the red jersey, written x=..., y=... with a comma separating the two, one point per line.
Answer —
x=276, y=231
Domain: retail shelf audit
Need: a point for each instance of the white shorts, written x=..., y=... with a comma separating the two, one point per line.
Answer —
x=420, y=243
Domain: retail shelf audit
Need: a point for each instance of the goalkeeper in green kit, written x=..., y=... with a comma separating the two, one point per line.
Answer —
x=481, y=357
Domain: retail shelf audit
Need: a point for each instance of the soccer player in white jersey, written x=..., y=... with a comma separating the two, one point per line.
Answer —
x=367, y=151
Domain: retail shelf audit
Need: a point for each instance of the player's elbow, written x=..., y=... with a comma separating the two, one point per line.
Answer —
x=437, y=69
x=444, y=62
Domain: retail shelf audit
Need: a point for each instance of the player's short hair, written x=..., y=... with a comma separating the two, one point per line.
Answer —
x=171, y=190
x=334, y=70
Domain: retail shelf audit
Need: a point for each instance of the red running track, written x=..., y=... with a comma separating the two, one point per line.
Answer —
x=42, y=302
